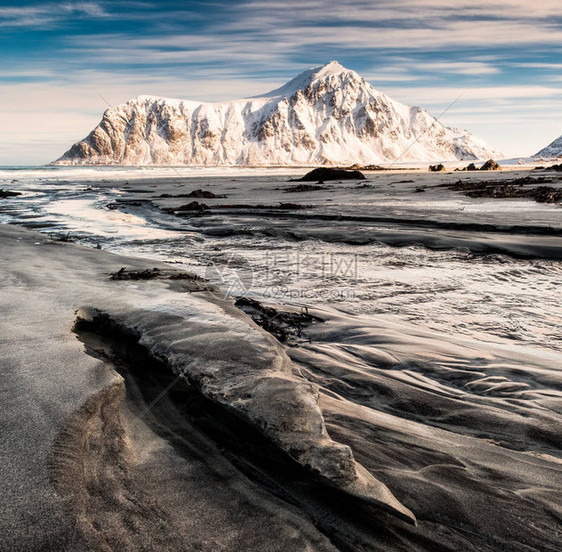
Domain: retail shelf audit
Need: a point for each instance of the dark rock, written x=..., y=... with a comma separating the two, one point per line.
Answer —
x=65, y=238
x=491, y=165
x=193, y=206
x=437, y=168
x=512, y=189
x=7, y=193
x=147, y=274
x=325, y=173
x=152, y=273
x=201, y=194
x=304, y=188
x=286, y=326
x=546, y=194
x=503, y=191
x=373, y=168
x=284, y=206
x=123, y=203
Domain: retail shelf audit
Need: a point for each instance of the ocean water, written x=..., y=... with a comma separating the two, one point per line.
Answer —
x=362, y=259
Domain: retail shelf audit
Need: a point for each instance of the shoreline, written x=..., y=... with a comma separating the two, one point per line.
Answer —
x=507, y=164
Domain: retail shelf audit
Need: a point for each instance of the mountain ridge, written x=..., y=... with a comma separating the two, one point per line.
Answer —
x=554, y=149
x=328, y=115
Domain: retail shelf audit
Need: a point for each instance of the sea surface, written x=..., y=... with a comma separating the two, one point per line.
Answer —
x=436, y=259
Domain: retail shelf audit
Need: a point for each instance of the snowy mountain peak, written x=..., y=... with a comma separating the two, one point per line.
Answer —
x=329, y=69
x=552, y=150
x=327, y=115
x=308, y=77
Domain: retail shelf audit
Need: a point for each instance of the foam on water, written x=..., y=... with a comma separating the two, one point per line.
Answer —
x=490, y=297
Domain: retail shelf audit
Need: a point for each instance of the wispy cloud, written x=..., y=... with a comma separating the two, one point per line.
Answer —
x=396, y=10
x=462, y=68
x=535, y=65
x=48, y=14
x=502, y=55
x=429, y=95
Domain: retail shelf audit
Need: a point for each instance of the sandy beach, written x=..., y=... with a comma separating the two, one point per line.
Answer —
x=81, y=470
x=149, y=412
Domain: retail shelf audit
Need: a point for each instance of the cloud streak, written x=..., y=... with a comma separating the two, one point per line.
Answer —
x=60, y=56
x=48, y=14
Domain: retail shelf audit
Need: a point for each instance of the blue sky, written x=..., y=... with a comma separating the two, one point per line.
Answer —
x=62, y=62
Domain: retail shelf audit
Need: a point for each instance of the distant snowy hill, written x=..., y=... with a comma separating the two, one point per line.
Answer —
x=325, y=116
x=552, y=150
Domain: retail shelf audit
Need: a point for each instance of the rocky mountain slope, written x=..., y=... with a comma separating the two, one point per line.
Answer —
x=326, y=115
x=552, y=150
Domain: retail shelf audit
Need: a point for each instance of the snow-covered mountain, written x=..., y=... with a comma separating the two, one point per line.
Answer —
x=552, y=150
x=328, y=115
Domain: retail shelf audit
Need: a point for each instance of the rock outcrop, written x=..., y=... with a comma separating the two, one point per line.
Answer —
x=491, y=165
x=323, y=173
